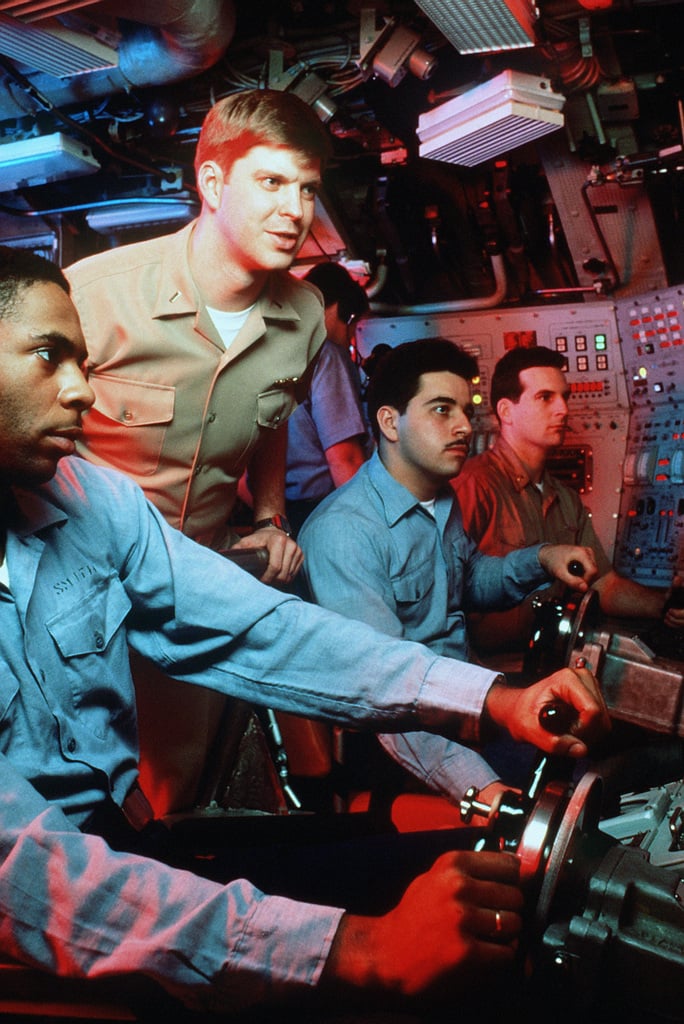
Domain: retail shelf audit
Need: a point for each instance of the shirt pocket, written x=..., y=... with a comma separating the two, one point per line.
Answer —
x=274, y=406
x=413, y=595
x=91, y=639
x=127, y=425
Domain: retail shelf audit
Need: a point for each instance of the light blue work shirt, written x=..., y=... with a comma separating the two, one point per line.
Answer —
x=93, y=568
x=331, y=413
x=373, y=553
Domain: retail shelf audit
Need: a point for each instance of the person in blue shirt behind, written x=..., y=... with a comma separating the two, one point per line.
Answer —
x=326, y=434
x=90, y=570
x=389, y=547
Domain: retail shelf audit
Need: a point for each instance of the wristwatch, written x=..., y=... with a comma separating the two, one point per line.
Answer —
x=280, y=523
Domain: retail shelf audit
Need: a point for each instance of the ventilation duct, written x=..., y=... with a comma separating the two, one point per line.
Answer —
x=490, y=119
x=162, y=41
x=483, y=26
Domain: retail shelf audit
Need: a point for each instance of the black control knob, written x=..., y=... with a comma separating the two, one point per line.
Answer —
x=675, y=600
x=557, y=717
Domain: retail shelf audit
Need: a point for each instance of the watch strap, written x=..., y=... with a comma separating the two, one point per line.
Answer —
x=279, y=521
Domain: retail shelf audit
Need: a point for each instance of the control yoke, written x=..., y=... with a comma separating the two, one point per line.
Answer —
x=604, y=932
x=638, y=685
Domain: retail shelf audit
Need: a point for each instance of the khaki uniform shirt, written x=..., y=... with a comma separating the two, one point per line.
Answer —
x=503, y=511
x=174, y=410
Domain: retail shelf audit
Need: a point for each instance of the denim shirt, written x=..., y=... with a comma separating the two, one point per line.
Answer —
x=94, y=568
x=372, y=552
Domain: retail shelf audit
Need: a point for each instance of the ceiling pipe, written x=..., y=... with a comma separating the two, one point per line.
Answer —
x=495, y=298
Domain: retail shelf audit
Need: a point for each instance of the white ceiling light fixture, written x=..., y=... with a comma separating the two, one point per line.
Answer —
x=493, y=118
x=483, y=26
x=41, y=159
x=55, y=50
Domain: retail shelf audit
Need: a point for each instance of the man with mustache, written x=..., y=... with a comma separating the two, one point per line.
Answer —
x=388, y=548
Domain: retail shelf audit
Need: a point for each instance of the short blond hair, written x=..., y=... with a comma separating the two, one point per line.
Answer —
x=257, y=117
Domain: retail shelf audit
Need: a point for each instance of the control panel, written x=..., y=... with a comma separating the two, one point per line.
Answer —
x=593, y=452
x=651, y=537
x=624, y=446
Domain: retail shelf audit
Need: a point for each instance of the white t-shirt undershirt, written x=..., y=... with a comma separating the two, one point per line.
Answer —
x=229, y=324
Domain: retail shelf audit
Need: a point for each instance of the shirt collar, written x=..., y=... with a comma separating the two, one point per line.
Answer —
x=397, y=500
x=178, y=296
x=33, y=511
x=515, y=470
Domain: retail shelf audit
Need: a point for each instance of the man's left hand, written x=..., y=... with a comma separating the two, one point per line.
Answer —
x=674, y=613
x=285, y=557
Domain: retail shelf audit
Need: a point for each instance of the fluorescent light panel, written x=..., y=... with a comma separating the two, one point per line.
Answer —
x=56, y=51
x=42, y=159
x=483, y=26
x=511, y=109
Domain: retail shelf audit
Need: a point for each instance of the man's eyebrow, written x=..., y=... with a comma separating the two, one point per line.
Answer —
x=441, y=400
x=55, y=336
x=266, y=172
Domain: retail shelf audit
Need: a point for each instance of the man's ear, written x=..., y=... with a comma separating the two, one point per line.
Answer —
x=388, y=421
x=210, y=183
x=503, y=410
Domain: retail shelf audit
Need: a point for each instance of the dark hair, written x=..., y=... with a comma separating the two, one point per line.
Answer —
x=20, y=268
x=396, y=377
x=506, y=377
x=338, y=286
x=257, y=117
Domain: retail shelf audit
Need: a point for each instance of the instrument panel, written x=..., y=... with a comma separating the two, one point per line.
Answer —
x=624, y=446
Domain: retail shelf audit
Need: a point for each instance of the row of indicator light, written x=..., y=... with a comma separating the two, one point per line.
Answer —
x=648, y=507
x=661, y=325
x=582, y=343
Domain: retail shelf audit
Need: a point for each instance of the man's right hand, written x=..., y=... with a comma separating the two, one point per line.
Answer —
x=454, y=924
x=519, y=711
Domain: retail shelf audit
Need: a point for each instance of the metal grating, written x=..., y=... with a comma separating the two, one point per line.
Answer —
x=508, y=111
x=57, y=52
x=35, y=10
x=483, y=26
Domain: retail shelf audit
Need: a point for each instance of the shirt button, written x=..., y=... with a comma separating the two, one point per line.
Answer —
x=276, y=419
x=127, y=415
x=211, y=417
x=99, y=641
x=71, y=745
